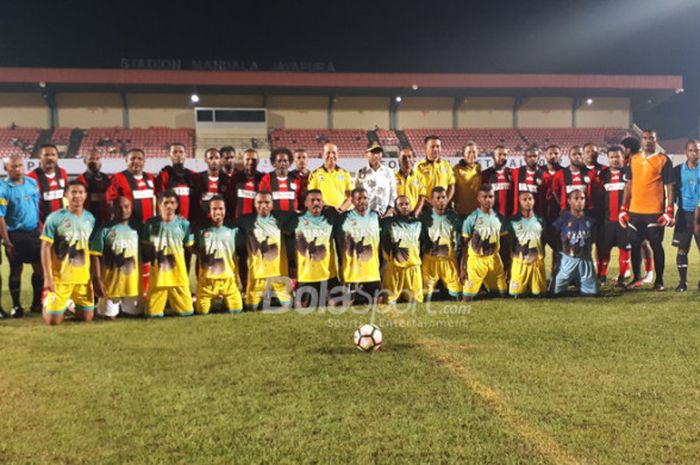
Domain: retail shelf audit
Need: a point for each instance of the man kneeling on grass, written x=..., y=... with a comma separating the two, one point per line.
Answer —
x=217, y=269
x=164, y=240
x=116, y=274
x=576, y=235
x=65, y=258
x=481, y=261
x=526, y=231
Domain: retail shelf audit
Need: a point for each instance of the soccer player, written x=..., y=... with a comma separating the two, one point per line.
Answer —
x=574, y=177
x=228, y=157
x=467, y=173
x=440, y=246
x=208, y=183
x=244, y=185
x=379, y=181
x=301, y=173
x=115, y=264
x=51, y=179
x=19, y=229
x=644, y=209
x=178, y=179
x=613, y=235
x=410, y=183
x=400, y=243
x=266, y=249
x=164, y=239
x=528, y=177
x=218, y=262
x=316, y=257
x=96, y=182
x=65, y=258
x=481, y=262
x=552, y=207
x=283, y=186
x=576, y=231
x=590, y=159
x=500, y=178
x=358, y=239
x=136, y=185
x=333, y=181
x=687, y=177
x=435, y=171
x=527, y=263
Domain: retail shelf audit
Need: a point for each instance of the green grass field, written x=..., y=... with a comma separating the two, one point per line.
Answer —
x=611, y=380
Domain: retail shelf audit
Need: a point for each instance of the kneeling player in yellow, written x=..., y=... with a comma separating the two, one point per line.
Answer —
x=527, y=265
x=165, y=238
x=65, y=258
x=400, y=241
x=440, y=245
x=481, y=262
x=268, y=269
x=217, y=270
x=115, y=264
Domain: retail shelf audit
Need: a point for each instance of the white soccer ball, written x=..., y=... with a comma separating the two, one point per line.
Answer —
x=368, y=338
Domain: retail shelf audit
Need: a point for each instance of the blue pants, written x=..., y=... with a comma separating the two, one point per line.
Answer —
x=577, y=271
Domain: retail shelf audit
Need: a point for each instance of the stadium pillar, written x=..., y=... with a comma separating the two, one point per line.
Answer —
x=575, y=106
x=393, y=116
x=455, y=111
x=517, y=102
x=125, y=110
x=329, y=115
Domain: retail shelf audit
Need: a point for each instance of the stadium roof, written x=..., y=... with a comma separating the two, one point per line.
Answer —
x=63, y=79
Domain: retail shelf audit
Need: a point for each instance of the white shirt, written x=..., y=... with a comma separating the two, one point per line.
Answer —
x=380, y=186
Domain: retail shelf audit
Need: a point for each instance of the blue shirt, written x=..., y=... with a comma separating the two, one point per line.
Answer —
x=19, y=204
x=576, y=234
x=689, y=192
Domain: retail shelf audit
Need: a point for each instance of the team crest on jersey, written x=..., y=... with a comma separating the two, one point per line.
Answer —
x=306, y=222
x=148, y=183
x=442, y=168
x=340, y=177
x=293, y=186
x=468, y=283
x=480, y=221
x=514, y=284
x=60, y=182
x=519, y=227
x=570, y=224
x=111, y=234
x=67, y=224
x=415, y=182
x=207, y=234
x=321, y=178
x=353, y=222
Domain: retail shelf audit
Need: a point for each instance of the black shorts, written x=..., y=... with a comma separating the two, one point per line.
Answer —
x=613, y=235
x=685, y=230
x=643, y=227
x=27, y=247
x=364, y=293
x=318, y=293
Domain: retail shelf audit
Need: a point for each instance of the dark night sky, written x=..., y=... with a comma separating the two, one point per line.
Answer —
x=614, y=36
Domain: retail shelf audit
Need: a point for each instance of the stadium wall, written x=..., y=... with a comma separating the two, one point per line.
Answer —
x=425, y=112
x=23, y=109
x=360, y=112
x=486, y=112
x=605, y=112
x=545, y=112
x=160, y=110
x=297, y=112
x=84, y=110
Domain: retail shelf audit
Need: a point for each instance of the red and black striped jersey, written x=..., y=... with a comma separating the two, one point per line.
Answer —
x=614, y=185
x=527, y=180
x=180, y=182
x=51, y=189
x=284, y=191
x=139, y=189
x=96, y=202
x=501, y=181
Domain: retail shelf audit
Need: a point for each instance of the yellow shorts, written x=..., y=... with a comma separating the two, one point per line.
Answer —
x=81, y=294
x=179, y=298
x=209, y=289
x=256, y=289
x=403, y=282
x=527, y=277
x=436, y=270
x=487, y=271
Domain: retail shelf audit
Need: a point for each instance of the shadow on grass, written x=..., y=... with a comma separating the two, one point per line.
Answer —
x=352, y=350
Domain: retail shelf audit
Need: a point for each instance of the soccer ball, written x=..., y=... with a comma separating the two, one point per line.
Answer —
x=368, y=338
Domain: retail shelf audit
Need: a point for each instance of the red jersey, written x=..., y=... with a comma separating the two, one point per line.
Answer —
x=567, y=181
x=303, y=182
x=614, y=184
x=551, y=206
x=501, y=181
x=51, y=190
x=242, y=193
x=138, y=189
x=180, y=182
x=284, y=191
x=206, y=187
x=526, y=180
x=96, y=202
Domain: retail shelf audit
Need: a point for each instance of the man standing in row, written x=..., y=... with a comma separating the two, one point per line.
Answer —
x=244, y=185
x=51, y=179
x=435, y=171
x=177, y=178
x=687, y=177
x=333, y=181
x=96, y=182
x=379, y=181
x=409, y=183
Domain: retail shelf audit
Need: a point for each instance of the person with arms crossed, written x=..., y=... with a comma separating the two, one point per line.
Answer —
x=217, y=275
x=527, y=232
x=65, y=258
x=481, y=264
x=440, y=246
x=410, y=183
x=19, y=229
x=467, y=173
x=400, y=243
x=164, y=240
x=116, y=264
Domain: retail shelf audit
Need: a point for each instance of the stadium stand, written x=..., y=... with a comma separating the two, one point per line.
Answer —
x=115, y=142
x=453, y=140
x=351, y=142
x=387, y=137
x=18, y=140
x=568, y=137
